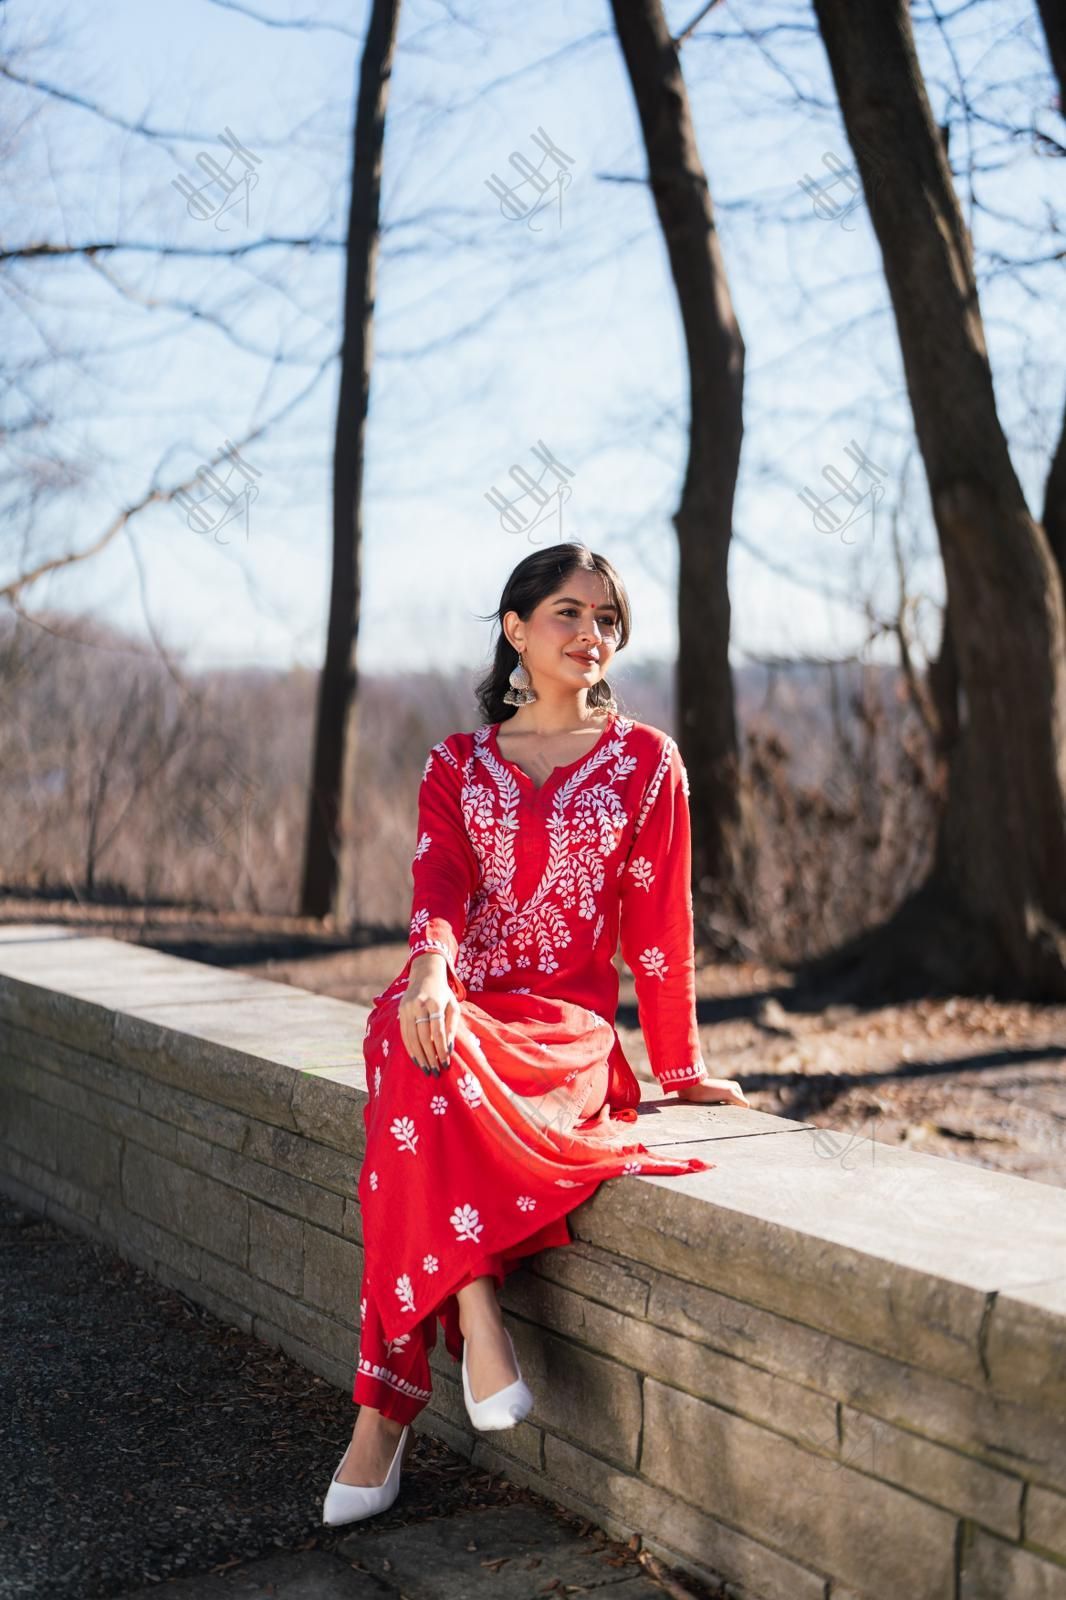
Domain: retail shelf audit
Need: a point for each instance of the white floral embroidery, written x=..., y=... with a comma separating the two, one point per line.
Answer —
x=374, y=1369
x=430, y=1264
x=654, y=962
x=373, y=1180
x=585, y=827
x=427, y=944
x=446, y=755
x=525, y=1202
x=403, y=1129
x=592, y=820
x=405, y=1292
x=439, y=1104
x=633, y=1166
x=567, y=1183
x=464, y=1219
x=641, y=869
x=470, y=1089
x=385, y=1046
x=362, y=1309
x=377, y=1080
x=662, y=766
x=694, y=1073
x=398, y=1343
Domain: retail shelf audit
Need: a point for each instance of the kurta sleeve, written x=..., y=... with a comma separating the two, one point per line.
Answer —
x=444, y=867
x=657, y=924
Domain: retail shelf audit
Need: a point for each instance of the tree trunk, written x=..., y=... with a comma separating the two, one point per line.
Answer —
x=1055, y=504
x=721, y=851
x=1001, y=849
x=1053, y=17
x=327, y=878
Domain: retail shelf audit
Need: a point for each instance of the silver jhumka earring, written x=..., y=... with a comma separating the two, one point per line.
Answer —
x=521, y=691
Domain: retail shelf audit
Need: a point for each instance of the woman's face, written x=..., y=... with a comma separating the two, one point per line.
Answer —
x=578, y=618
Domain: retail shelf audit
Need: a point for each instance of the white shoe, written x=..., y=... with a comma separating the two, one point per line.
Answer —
x=502, y=1409
x=350, y=1502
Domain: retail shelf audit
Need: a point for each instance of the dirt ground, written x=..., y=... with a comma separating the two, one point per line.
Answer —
x=970, y=1079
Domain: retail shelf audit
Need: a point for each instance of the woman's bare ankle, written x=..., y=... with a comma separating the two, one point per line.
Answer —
x=479, y=1311
x=378, y=1421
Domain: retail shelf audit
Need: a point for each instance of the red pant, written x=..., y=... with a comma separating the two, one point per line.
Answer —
x=395, y=1377
x=398, y=1382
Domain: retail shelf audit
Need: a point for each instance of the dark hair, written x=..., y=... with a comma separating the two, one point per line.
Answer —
x=533, y=580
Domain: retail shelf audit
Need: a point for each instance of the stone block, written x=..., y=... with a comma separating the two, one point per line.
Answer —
x=88, y=1155
x=1045, y=1520
x=772, y=1487
x=146, y=1244
x=276, y=1247
x=1025, y=1350
x=596, y=1275
x=647, y=1349
x=225, y=1068
x=30, y=1125
x=681, y=1534
x=943, y=1477
x=581, y=1395
x=298, y=1319
x=333, y=1269
x=1016, y=1438
x=186, y=1203
x=54, y=1191
x=992, y=1569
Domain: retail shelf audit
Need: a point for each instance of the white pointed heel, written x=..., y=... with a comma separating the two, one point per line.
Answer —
x=503, y=1409
x=350, y=1502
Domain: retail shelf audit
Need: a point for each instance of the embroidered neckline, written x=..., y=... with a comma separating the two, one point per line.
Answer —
x=568, y=766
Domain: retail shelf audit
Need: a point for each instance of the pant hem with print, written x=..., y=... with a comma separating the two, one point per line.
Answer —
x=394, y=1376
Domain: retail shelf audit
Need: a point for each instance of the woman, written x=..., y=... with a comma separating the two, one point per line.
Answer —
x=499, y=1095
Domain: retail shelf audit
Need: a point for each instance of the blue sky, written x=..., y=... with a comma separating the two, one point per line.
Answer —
x=492, y=334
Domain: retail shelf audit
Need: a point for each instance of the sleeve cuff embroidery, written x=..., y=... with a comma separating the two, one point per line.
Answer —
x=692, y=1074
x=440, y=948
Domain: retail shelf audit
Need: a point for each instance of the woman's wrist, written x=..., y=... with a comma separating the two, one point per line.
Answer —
x=426, y=961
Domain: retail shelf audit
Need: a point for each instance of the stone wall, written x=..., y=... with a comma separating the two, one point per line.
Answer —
x=826, y=1369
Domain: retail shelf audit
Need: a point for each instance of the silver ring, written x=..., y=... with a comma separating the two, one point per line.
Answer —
x=431, y=1017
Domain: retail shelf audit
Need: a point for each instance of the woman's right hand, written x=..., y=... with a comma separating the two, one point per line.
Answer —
x=429, y=1043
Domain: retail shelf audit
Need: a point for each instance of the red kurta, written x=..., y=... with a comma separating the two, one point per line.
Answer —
x=525, y=891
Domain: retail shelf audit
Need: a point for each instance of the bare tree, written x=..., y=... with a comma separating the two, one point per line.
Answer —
x=997, y=889
x=327, y=861
x=1053, y=17
x=721, y=841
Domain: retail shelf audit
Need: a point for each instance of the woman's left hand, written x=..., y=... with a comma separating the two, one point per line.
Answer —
x=713, y=1091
